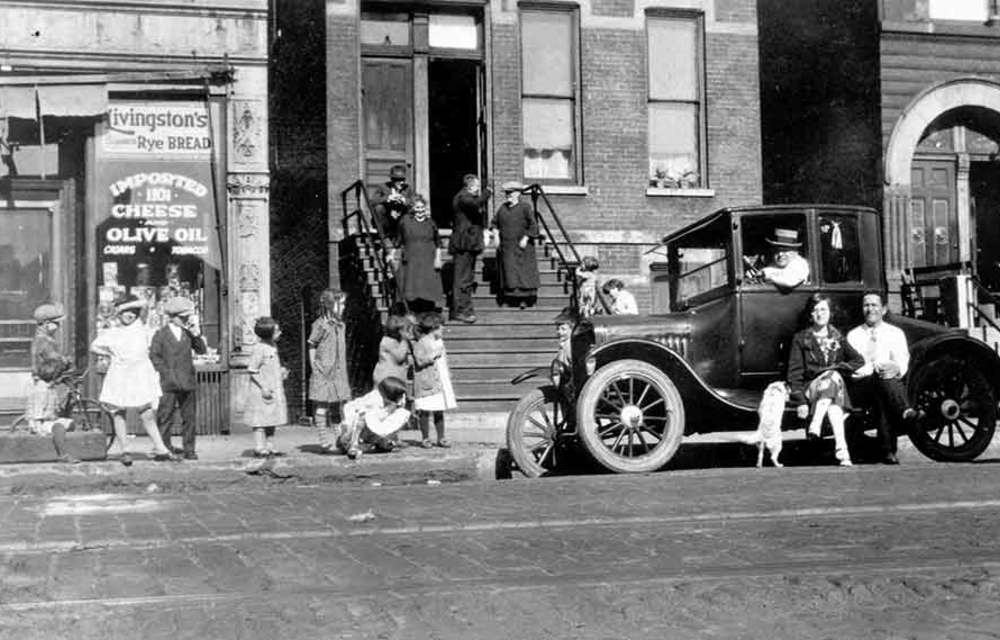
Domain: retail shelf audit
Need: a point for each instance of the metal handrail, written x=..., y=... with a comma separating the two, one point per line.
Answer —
x=365, y=226
x=981, y=291
x=537, y=193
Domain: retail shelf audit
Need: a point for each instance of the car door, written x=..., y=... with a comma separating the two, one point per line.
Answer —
x=770, y=315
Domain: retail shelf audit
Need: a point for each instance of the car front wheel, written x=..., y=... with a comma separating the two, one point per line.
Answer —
x=958, y=410
x=630, y=417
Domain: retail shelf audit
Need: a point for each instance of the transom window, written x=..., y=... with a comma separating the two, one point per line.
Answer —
x=966, y=10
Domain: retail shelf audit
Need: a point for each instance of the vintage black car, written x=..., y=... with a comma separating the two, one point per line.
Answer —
x=638, y=384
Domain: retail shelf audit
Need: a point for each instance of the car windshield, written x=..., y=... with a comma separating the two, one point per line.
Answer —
x=701, y=262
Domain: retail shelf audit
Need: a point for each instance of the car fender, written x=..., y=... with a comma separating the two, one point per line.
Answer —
x=703, y=406
x=956, y=344
x=531, y=373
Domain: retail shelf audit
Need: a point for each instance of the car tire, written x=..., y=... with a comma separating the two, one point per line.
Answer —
x=630, y=417
x=958, y=409
x=534, y=428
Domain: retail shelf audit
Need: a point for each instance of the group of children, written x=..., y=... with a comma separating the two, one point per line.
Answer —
x=411, y=352
x=621, y=302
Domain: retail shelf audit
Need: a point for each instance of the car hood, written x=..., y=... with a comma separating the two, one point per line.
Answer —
x=658, y=327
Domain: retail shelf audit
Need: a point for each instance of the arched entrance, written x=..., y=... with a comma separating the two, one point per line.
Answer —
x=942, y=198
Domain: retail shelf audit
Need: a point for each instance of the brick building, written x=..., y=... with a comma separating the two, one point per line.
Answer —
x=133, y=139
x=893, y=104
x=636, y=118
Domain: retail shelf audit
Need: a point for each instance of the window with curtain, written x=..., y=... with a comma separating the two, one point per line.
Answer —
x=675, y=71
x=548, y=95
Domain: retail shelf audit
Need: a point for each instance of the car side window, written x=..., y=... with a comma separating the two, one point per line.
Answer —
x=840, y=251
x=701, y=263
x=766, y=237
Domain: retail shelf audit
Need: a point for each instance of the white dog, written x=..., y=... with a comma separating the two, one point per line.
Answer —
x=771, y=410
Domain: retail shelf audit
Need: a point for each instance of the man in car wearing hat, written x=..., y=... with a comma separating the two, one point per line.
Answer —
x=391, y=200
x=48, y=393
x=170, y=352
x=789, y=269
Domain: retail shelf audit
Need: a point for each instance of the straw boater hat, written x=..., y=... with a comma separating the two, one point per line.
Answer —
x=130, y=303
x=785, y=238
x=49, y=312
x=512, y=185
x=178, y=307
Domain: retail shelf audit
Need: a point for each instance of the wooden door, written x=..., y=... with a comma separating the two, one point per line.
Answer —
x=933, y=213
x=387, y=107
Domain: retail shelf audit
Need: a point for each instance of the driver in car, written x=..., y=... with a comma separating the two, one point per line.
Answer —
x=788, y=269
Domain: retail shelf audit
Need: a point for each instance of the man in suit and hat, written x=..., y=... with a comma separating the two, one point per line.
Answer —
x=466, y=243
x=170, y=352
x=391, y=200
x=788, y=269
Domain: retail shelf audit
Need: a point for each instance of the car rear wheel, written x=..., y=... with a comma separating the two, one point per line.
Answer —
x=958, y=406
x=533, y=430
x=630, y=417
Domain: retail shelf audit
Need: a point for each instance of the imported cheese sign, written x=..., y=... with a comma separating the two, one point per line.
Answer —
x=157, y=129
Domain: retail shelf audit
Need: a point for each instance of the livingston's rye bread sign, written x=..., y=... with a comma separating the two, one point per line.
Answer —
x=162, y=129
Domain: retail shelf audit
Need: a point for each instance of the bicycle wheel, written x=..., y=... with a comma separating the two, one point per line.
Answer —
x=90, y=415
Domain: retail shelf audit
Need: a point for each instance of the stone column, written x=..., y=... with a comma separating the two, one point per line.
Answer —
x=248, y=184
x=896, y=236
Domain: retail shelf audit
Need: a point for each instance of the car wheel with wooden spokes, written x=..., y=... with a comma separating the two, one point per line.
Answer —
x=958, y=409
x=534, y=429
x=630, y=417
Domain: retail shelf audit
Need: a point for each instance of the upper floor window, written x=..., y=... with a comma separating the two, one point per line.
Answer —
x=675, y=101
x=549, y=102
x=968, y=10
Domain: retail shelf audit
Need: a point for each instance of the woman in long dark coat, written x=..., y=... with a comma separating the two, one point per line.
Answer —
x=419, y=278
x=518, y=266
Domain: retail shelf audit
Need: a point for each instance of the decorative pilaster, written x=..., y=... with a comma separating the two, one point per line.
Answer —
x=963, y=207
x=248, y=206
x=896, y=229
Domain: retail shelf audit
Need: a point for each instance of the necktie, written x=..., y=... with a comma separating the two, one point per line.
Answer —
x=872, y=345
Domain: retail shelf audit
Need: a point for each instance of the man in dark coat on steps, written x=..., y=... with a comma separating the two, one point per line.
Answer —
x=469, y=206
x=170, y=351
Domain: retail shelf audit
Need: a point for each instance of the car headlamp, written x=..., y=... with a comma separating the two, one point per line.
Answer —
x=591, y=364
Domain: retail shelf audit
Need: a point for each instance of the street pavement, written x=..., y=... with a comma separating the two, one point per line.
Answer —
x=801, y=552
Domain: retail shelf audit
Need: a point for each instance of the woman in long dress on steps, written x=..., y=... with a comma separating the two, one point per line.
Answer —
x=516, y=259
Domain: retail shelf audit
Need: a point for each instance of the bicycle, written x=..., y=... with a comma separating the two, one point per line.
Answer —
x=86, y=413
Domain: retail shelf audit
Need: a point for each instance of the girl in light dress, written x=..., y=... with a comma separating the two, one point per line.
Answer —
x=131, y=381
x=432, y=389
x=266, y=407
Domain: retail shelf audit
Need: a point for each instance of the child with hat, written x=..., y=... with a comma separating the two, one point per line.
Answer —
x=47, y=392
x=170, y=352
x=131, y=381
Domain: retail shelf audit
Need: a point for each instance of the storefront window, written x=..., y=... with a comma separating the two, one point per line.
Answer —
x=25, y=279
x=156, y=213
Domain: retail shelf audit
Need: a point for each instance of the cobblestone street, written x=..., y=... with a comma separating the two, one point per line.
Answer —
x=818, y=552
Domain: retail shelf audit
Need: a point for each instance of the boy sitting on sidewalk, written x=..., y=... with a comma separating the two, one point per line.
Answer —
x=374, y=418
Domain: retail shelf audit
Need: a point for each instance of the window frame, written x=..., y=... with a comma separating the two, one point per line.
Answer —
x=576, y=109
x=698, y=18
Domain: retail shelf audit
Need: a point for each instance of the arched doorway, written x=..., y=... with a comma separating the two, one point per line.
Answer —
x=942, y=198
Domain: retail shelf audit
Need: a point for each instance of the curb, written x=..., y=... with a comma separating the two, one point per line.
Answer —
x=458, y=464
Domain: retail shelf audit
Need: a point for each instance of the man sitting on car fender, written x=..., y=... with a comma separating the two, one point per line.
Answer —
x=880, y=381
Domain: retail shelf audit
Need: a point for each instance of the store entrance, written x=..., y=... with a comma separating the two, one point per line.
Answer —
x=453, y=114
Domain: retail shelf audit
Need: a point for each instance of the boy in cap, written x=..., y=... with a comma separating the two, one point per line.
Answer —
x=170, y=352
x=48, y=393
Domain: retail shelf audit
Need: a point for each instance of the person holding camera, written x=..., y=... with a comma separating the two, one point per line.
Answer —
x=390, y=201
x=170, y=352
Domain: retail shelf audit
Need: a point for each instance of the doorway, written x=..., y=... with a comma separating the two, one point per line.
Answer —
x=984, y=186
x=453, y=114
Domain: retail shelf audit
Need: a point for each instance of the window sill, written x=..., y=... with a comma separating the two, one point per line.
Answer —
x=565, y=190
x=657, y=192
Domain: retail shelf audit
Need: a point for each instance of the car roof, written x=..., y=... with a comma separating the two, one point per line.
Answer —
x=763, y=209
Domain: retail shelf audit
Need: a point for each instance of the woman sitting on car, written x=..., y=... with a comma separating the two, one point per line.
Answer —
x=818, y=356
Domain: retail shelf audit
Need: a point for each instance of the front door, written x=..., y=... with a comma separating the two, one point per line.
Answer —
x=387, y=107
x=933, y=214
x=453, y=123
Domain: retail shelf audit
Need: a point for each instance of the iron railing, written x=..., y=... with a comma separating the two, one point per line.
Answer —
x=977, y=295
x=567, y=265
x=368, y=226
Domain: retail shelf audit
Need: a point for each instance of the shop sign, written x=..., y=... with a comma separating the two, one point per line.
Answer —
x=163, y=129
